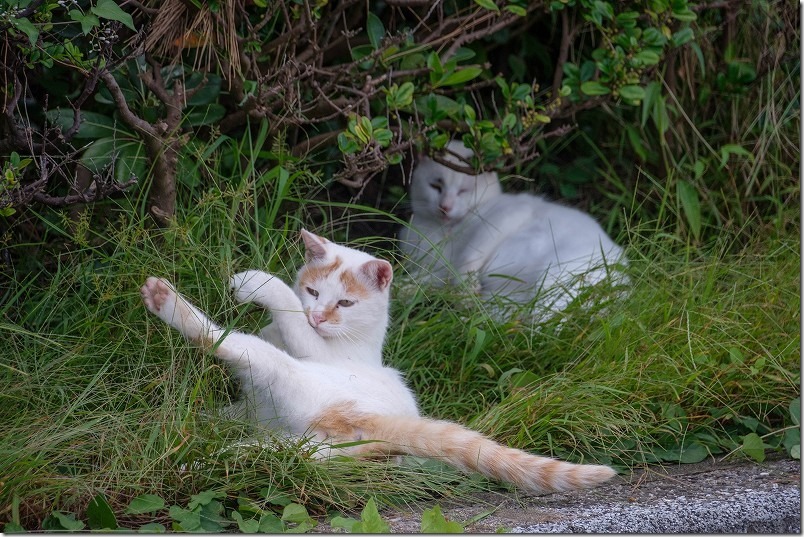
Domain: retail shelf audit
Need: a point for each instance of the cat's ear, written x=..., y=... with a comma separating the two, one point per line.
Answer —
x=315, y=247
x=378, y=272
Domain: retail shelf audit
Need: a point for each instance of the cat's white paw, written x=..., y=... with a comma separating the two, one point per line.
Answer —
x=158, y=295
x=251, y=285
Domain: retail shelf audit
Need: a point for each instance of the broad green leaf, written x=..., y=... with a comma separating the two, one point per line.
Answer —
x=185, y=519
x=100, y=515
x=13, y=527
x=754, y=447
x=245, y=526
x=632, y=93
x=433, y=521
x=108, y=9
x=375, y=30
x=370, y=520
x=593, y=87
x=152, y=527
x=204, y=115
x=68, y=521
x=683, y=36
x=25, y=26
x=647, y=57
x=524, y=379
x=459, y=77
x=685, y=15
x=270, y=523
x=733, y=149
x=691, y=206
x=93, y=125
x=88, y=20
x=346, y=523
x=795, y=452
x=795, y=410
x=294, y=512
x=488, y=4
x=517, y=10
x=693, y=453
x=791, y=439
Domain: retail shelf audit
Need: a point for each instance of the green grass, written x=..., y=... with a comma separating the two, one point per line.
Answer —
x=100, y=397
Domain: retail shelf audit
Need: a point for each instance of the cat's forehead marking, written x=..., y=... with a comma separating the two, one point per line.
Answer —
x=352, y=285
x=316, y=272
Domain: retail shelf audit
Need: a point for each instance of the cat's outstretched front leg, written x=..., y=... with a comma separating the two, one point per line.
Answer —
x=161, y=299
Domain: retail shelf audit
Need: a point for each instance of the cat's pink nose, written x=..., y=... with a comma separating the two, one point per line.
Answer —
x=317, y=317
x=444, y=207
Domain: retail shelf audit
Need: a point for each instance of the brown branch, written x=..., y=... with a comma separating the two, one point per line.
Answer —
x=563, y=52
x=129, y=117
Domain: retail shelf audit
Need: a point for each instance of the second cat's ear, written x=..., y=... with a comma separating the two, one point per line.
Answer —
x=379, y=273
x=315, y=246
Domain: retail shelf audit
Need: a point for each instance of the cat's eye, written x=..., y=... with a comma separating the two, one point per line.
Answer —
x=346, y=303
x=436, y=187
x=312, y=292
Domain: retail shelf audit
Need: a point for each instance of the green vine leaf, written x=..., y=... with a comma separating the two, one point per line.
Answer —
x=108, y=9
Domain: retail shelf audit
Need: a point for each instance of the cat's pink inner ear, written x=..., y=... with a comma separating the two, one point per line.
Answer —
x=315, y=246
x=379, y=272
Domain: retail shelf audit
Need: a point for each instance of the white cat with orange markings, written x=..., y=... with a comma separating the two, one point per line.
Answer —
x=341, y=400
x=317, y=318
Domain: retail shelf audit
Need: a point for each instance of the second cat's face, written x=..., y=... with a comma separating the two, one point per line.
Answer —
x=442, y=194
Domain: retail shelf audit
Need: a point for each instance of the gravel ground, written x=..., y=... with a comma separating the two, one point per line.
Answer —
x=709, y=497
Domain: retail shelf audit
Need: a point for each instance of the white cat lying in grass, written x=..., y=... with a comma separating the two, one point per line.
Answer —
x=464, y=229
x=340, y=400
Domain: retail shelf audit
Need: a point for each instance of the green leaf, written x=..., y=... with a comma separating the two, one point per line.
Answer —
x=93, y=125
x=101, y=153
x=88, y=20
x=370, y=520
x=375, y=30
x=693, y=453
x=691, y=205
x=68, y=521
x=152, y=527
x=296, y=513
x=433, y=521
x=733, y=149
x=25, y=26
x=270, y=523
x=685, y=15
x=754, y=447
x=647, y=57
x=204, y=115
x=683, y=36
x=488, y=4
x=632, y=93
x=100, y=515
x=245, y=526
x=346, y=523
x=593, y=87
x=795, y=452
x=795, y=410
x=108, y=9
x=186, y=520
x=459, y=77
x=13, y=527
x=524, y=379
x=517, y=10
